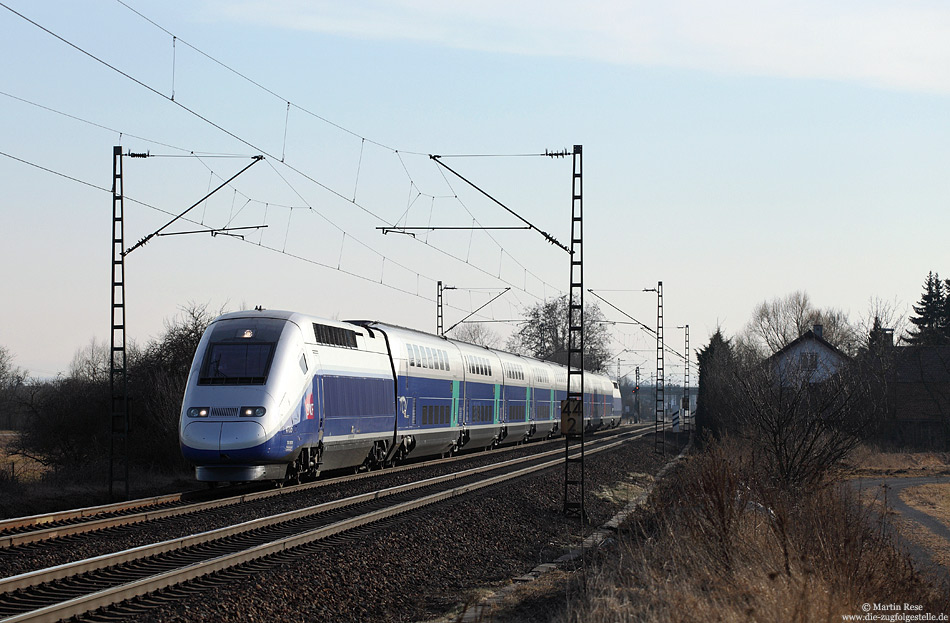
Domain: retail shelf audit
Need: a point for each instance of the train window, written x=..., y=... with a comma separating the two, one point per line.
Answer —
x=303, y=363
x=412, y=357
x=334, y=336
x=420, y=360
x=236, y=364
x=445, y=356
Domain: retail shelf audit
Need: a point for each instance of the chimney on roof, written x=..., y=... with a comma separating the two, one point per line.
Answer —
x=817, y=330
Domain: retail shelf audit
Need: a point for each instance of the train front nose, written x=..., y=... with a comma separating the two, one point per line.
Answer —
x=216, y=439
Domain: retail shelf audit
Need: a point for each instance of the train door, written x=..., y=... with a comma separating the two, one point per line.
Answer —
x=314, y=407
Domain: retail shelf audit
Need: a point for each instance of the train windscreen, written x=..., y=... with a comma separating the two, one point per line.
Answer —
x=240, y=352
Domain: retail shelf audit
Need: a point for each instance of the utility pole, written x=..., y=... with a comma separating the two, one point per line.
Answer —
x=438, y=320
x=685, y=408
x=574, y=434
x=660, y=379
x=119, y=420
x=118, y=363
x=636, y=398
x=659, y=421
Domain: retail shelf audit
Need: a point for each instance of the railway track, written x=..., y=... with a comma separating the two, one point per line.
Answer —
x=82, y=586
x=24, y=530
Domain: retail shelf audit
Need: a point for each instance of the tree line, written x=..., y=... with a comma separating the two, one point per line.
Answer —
x=63, y=422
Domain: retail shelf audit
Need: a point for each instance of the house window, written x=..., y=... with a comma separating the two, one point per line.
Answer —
x=809, y=361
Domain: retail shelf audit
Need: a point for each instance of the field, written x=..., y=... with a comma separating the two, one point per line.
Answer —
x=15, y=467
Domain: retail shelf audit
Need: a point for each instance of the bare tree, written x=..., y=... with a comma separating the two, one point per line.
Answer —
x=544, y=334
x=476, y=333
x=801, y=428
x=883, y=315
x=778, y=322
x=11, y=380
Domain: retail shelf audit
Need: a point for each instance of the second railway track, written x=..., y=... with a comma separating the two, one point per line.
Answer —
x=24, y=530
x=67, y=590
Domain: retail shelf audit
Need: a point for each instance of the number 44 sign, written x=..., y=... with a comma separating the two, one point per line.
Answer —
x=572, y=416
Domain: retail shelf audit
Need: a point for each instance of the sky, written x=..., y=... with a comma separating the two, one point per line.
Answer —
x=736, y=151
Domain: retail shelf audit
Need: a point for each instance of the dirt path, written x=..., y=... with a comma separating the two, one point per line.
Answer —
x=912, y=517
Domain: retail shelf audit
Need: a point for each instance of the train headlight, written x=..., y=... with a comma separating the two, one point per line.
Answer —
x=198, y=411
x=253, y=411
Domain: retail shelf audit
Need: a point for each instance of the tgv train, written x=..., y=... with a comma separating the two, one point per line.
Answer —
x=276, y=395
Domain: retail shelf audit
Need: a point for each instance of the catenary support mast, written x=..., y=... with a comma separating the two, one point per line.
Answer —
x=118, y=370
x=659, y=426
x=574, y=436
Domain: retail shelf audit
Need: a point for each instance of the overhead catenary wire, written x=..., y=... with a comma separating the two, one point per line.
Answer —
x=258, y=84
x=642, y=325
x=546, y=235
x=266, y=152
x=121, y=133
x=248, y=143
x=363, y=139
x=288, y=254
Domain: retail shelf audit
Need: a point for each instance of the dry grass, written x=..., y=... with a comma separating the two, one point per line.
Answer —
x=716, y=544
x=36, y=490
x=932, y=499
x=935, y=501
x=869, y=462
x=16, y=467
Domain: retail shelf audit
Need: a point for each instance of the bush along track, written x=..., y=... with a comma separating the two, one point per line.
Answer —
x=718, y=541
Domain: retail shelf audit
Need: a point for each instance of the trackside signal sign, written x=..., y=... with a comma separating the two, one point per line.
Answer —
x=572, y=416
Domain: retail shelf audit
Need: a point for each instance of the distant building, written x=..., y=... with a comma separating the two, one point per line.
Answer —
x=917, y=385
x=808, y=359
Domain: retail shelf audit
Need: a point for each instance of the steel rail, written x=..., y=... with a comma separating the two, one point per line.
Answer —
x=40, y=576
x=89, y=511
x=22, y=538
x=116, y=594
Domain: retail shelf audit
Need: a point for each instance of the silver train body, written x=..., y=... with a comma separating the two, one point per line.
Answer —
x=276, y=395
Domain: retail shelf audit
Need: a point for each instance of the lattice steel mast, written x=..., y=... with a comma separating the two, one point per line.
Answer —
x=574, y=466
x=118, y=363
x=659, y=426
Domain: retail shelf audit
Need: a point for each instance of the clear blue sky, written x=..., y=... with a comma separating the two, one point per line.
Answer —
x=737, y=151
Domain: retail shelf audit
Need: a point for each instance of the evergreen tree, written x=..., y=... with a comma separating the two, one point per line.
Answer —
x=946, y=310
x=876, y=335
x=930, y=322
x=716, y=363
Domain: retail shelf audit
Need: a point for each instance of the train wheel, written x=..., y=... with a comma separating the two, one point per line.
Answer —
x=293, y=477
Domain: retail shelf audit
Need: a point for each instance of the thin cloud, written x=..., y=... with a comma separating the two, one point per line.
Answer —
x=886, y=44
